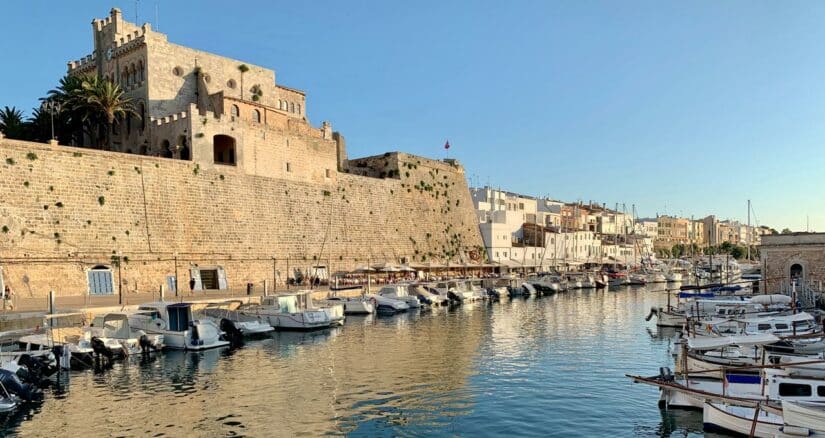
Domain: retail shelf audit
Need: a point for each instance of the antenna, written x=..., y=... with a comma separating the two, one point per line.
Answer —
x=137, y=19
x=157, y=21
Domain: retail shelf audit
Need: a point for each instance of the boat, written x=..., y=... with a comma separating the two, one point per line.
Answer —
x=673, y=277
x=110, y=335
x=335, y=311
x=283, y=312
x=428, y=295
x=388, y=306
x=226, y=314
x=708, y=306
x=352, y=305
x=527, y=289
x=449, y=290
x=60, y=334
x=654, y=277
x=803, y=415
x=601, y=280
x=636, y=279
x=400, y=292
x=502, y=286
x=750, y=421
x=177, y=324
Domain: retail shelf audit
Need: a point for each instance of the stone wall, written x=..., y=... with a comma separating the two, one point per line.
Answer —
x=65, y=210
x=779, y=253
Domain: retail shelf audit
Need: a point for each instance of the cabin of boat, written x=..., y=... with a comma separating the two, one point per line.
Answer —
x=176, y=322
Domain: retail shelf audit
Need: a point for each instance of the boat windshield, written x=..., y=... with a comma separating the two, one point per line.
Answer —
x=288, y=304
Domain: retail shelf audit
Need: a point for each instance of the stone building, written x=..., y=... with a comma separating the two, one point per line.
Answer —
x=223, y=182
x=792, y=258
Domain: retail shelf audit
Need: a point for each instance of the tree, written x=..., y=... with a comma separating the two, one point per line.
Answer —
x=243, y=69
x=69, y=123
x=737, y=252
x=11, y=123
x=786, y=231
x=105, y=101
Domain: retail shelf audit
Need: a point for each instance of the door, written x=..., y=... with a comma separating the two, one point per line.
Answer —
x=100, y=282
x=195, y=274
x=221, y=279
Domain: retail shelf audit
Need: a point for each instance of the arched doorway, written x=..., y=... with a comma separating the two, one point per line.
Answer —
x=165, y=150
x=797, y=274
x=224, y=149
x=184, y=148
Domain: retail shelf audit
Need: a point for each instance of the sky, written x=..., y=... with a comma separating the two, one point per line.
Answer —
x=680, y=108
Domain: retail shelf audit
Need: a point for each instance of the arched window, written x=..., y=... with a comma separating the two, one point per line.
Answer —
x=165, y=150
x=133, y=74
x=140, y=71
x=299, y=108
x=223, y=147
x=256, y=116
x=124, y=77
x=235, y=111
x=282, y=106
x=292, y=107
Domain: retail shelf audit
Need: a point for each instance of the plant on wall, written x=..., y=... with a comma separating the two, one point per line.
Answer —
x=243, y=69
x=257, y=93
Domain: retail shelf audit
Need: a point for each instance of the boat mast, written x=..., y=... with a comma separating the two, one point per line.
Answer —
x=748, y=234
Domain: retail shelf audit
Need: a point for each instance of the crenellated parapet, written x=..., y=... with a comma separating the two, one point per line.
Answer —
x=172, y=118
x=87, y=62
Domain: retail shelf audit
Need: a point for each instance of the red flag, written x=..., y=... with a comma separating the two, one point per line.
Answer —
x=447, y=145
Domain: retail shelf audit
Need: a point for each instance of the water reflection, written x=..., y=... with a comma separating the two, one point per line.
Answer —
x=535, y=366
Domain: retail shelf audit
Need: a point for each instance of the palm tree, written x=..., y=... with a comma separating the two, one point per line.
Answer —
x=103, y=99
x=11, y=122
x=243, y=69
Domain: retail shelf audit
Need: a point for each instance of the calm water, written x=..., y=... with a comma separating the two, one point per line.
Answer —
x=541, y=367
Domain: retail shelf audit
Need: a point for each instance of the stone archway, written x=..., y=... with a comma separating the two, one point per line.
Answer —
x=796, y=273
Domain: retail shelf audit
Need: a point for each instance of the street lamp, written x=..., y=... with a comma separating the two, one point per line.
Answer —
x=52, y=106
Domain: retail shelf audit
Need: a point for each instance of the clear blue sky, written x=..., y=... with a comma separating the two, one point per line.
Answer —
x=685, y=108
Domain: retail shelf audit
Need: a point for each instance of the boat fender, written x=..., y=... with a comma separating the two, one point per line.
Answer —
x=795, y=430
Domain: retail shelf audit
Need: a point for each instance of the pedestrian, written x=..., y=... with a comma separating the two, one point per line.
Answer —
x=191, y=285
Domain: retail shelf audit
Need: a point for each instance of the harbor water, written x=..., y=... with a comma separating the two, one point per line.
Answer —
x=550, y=366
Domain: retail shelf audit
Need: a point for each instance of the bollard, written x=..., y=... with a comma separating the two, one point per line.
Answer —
x=51, y=302
x=161, y=291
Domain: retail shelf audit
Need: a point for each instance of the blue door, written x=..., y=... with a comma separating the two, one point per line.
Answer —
x=100, y=282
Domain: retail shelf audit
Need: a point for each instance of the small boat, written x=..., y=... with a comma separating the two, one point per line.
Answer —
x=803, y=415
x=601, y=280
x=335, y=311
x=177, y=324
x=61, y=334
x=111, y=336
x=400, y=292
x=636, y=279
x=750, y=421
x=282, y=312
x=654, y=277
x=673, y=277
x=228, y=317
x=388, y=306
x=352, y=305
x=428, y=295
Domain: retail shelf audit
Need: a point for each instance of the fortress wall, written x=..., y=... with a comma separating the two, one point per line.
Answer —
x=64, y=210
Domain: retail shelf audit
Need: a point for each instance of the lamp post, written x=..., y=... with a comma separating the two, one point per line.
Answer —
x=52, y=106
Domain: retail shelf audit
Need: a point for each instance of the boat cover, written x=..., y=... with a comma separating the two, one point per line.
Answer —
x=713, y=343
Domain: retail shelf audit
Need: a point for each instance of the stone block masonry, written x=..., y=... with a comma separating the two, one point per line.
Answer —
x=64, y=211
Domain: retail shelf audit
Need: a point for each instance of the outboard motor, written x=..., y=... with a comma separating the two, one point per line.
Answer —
x=100, y=349
x=145, y=344
x=424, y=300
x=665, y=374
x=14, y=386
x=493, y=294
x=63, y=356
x=653, y=311
x=454, y=299
x=233, y=333
x=34, y=369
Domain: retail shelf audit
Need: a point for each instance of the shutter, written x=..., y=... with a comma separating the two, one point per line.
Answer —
x=107, y=283
x=221, y=279
x=100, y=282
x=2, y=283
x=196, y=274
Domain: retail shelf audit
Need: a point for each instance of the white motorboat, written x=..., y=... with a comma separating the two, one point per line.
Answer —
x=283, y=312
x=112, y=331
x=428, y=295
x=352, y=305
x=177, y=324
x=673, y=277
x=400, y=292
x=385, y=305
x=229, y=319
x=450, y=290
x=655, y=278
x=477, y=288
x=529, y=289
x=60, y=334
x=335, y=311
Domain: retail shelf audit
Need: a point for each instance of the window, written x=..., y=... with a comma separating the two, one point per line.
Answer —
x=256, y=116
x=231, y=84
x=781, y=326
x=140, y=71
x=100, y=281
x=223, y=147
x=328, y=173
x=794, y=390
x=820, y=391
x=177, y=71
x=292, y=107
x=288, y=167
x=165, y=149
x=299, y=108
x=235, y=111
x=184, y=148
x=762, y=327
